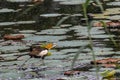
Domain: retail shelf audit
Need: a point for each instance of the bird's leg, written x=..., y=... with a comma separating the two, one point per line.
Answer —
x=24, y=63
x=42, y=60
x=43, y=63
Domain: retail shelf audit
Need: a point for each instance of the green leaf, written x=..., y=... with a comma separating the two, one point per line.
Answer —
x=111, y=38
x=108, y=74
x=99, y=3
x=49, y=54
x=43, y=45
x=62, y=20
x=77, y=55
x=28, y=9
x=86, y=3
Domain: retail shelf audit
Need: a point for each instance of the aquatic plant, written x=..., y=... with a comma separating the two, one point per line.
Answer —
x=37, y=3
x=90, y=45
x=108, y=74
x=111, y=38
x=85, y=6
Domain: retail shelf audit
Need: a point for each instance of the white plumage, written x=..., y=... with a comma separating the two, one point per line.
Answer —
x=43, y=53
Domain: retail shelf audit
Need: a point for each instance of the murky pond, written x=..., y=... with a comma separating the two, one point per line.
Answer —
x=37, y=20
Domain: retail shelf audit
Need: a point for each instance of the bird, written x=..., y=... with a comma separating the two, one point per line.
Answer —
x=40, y=51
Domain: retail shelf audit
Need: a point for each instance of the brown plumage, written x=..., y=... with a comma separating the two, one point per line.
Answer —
x=38, y=52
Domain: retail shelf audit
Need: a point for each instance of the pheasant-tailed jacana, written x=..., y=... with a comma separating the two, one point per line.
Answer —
x=40, y=51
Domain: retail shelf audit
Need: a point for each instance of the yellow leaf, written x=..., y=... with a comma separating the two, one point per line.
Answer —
x=108, y=73
x=47, y=45
x=49, y=54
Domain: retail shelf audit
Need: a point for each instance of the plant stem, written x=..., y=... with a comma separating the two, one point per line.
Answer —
x=89, y=36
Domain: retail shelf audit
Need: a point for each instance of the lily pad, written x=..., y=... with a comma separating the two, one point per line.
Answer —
x=113, y=9
x=100, y=49
x=6, y=23
x=77, y=2
x=51, y=15
x=19, y=0
x=37, y=79
x=74, y=43
x=45, y=38
x=78, y=27
x=101, y=69
x=65, y=25
x=11, y=75
x=93, y=31
x=100, y=16
x=12, y=48
x=28, y=31
x=26, y=34
x=59, y=0
x=111, y=12
x=102, y=36
x=116, y=17
x=103, y=53
x=25, y=22
x=114, y=3
x=57, y=57
x=6, y=10
x=68, y=50
x=19, y=22
x=53, y=31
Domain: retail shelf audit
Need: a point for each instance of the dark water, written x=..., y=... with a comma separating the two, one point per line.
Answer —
x=38, y=26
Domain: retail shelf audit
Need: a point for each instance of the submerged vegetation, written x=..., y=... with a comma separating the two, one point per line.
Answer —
x=85, y=33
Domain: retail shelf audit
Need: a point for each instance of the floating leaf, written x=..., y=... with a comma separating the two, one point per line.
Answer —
x=53, y=32
x=28, y=31
x=71, y=72
x=45, y=38
x=48, y=45
x=18, y=0
x=49, y=54
x=6, y=10
x=114, y=3
x=108, y=74
x=51, y=15
x=107, y=60
x=72, y=2
x=109, y=65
